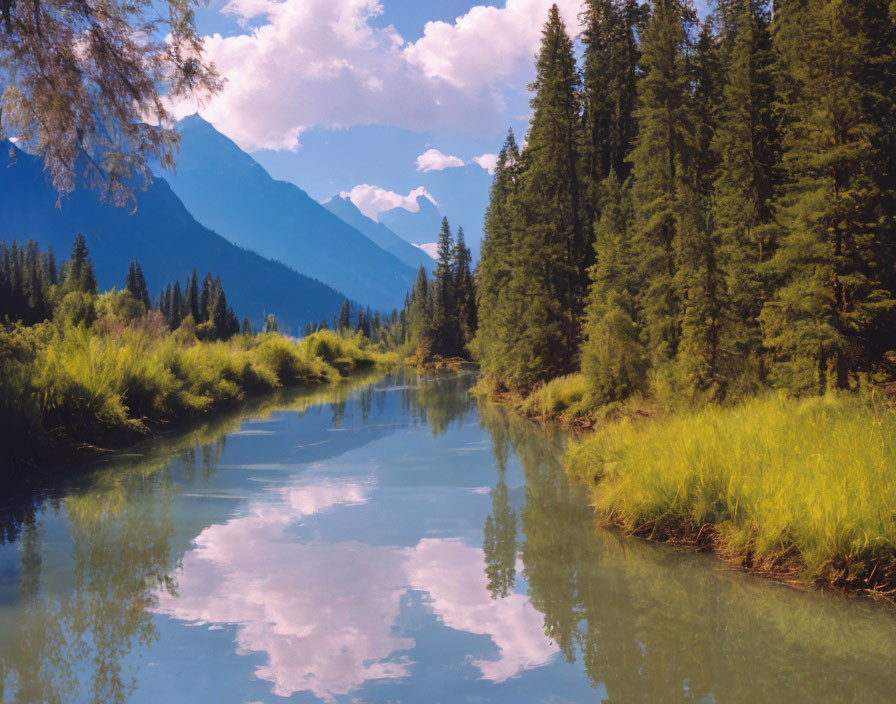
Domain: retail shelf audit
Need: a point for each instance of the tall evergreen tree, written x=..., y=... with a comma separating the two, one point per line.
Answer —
x=551, y=250
x=444, y=318
x=613, y=358
x=663, y=165
x=609, y=86
x=465, y=290
x=191, y=299
x=833, y=295
x=345, y=317
x=493, y=306
x=747, y=144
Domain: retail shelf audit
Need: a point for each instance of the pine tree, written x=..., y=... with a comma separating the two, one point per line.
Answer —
x=493, y=307
x=747, y=143
x=662, y=166
x=613, y=358
x=465, y=290
x=206, y=300
x=551, y=251
x=51, y=273
x=345, y=317
x=191, y=300
x=176, y=306
x=609, y=87
x=832, y=296
x=420, y=316
x=80, y=275
x=444, y=319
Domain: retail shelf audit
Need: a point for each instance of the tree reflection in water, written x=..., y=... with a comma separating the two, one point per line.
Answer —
x=651, y=623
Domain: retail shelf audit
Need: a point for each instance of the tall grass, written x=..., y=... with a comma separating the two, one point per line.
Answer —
x=802, y=485
x=63, y=384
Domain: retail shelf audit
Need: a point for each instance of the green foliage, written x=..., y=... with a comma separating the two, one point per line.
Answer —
x=811, y=481
x=76, y=308
x=64, y=384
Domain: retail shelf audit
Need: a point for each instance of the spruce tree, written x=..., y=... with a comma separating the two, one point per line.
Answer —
x=465, y=290
x=191, y=300
x=613, y=358
x=444, y=319
x=206, y=299
x=493, y=334
x=832, y=295
x=663, y=165
x=345, y=317
x=551, y=251
x=609, y=87
x=420, y=315
x=747, y=144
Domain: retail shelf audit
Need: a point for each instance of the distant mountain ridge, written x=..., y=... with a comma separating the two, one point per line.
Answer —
x=228, y=191
x=418, y=228
x=413, y=256
x=162, y=234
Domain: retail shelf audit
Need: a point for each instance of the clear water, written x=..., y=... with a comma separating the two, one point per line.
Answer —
x=391, y=542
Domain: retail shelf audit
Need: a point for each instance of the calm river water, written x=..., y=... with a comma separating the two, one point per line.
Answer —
x=390, y=541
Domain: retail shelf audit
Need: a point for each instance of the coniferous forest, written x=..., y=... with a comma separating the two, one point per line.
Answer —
x=700, y=209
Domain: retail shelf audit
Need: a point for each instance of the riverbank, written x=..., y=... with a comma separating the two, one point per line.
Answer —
x=802, y=490
x=69, y=390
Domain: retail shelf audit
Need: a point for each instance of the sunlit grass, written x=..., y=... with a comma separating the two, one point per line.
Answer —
x=72, y=384
x=788, y=483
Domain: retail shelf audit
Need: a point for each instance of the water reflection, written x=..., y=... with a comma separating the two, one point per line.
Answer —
x=653, y=624
x=391, y=541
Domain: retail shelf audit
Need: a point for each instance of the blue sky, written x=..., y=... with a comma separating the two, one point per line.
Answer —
x=388, y=95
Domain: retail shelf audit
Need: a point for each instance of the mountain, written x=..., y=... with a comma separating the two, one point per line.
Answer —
x=381, y=235
x=417, y=228
x=228, y=191
x=162, y=234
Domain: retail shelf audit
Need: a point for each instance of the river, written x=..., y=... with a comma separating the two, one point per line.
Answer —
x=390, y=540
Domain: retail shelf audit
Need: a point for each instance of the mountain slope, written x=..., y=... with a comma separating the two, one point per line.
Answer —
x=162, y=234
x=230, y=192
x=381, y=235
x=417, y=228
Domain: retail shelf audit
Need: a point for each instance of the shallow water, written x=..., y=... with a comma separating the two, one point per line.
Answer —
x=390, y=541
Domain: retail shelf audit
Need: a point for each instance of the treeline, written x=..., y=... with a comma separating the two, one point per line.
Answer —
x=700, y=208
x=33, y=289
x=439, y=316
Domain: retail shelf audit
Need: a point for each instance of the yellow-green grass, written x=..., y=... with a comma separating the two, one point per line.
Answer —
x=65, y=385
x=798, y=486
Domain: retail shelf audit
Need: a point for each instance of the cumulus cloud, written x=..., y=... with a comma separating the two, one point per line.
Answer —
x=373, y=200
x=488, y=45
x=434, y=160
x=322, y=63
x=489, y=162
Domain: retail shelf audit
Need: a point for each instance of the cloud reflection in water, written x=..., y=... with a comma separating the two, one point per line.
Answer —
x=325, y=614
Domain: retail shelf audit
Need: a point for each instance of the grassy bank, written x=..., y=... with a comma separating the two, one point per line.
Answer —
x=804, y=489
x=568, y=401
x=62, y=387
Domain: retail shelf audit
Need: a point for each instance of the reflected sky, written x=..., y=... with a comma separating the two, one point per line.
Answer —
x=325, y=615
x=429, y=551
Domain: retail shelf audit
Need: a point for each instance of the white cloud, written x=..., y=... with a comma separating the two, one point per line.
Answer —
x=322, y=63
x=489, y=162
x=431, y=248
x=373, y=200
x=434, y=160
x=488, y=45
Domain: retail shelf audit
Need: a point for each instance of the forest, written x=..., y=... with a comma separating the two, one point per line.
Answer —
x=694, y=253
x=700, y=210
x=80, y=368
